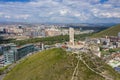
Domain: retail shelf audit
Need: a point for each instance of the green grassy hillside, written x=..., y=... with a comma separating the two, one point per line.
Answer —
x=113, y=31
x=53, y=64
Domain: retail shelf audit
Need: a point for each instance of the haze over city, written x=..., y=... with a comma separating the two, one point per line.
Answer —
x=60, y=11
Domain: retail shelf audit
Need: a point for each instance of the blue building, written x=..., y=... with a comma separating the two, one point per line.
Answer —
x=9, y=52
x=117, y=69
x=13, y=53
x=24, y=50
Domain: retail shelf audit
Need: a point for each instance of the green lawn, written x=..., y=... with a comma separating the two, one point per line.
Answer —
x=53, y=64
x=112, y=31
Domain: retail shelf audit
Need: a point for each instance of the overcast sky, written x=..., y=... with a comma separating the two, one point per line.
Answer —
x=60, y=11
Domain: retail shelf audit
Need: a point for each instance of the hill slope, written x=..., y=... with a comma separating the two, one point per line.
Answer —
x=113, y=31
x=53, y=64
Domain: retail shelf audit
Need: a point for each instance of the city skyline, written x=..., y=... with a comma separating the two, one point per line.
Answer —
x=60, y=11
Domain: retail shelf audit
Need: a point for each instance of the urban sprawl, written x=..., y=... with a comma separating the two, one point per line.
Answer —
x=106, y=47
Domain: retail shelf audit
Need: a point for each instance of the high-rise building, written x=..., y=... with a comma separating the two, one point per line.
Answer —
x=9, y=52
x=71, y=36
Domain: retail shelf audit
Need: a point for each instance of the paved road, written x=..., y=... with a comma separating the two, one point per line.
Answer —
x=2, y=76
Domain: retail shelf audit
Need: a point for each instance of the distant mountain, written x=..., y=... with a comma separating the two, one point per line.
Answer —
x=66, y=24
x=93, y=24
x=112, y=31
x=57, y=64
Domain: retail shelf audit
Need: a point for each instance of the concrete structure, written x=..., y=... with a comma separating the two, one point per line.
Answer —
x=42, y=47
x=118, y=44
x=72, y=44
x=52, y=32
x=96, y=50
x=71, y=36
x=114, y=39
x=64, y=32
x=119, y=34
x=21, y=37
x=114, y=63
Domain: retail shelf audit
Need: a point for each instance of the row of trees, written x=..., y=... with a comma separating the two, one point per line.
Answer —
x=47, y=40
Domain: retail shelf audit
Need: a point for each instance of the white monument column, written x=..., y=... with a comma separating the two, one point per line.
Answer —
x=71, y=36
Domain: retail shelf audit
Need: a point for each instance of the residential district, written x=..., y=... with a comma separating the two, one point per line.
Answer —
x=21, y=32
x=107, y=48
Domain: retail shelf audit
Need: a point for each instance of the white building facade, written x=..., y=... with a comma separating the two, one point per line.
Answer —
x=71, y=36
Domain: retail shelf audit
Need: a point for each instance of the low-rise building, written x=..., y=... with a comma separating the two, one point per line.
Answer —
x=119, y=35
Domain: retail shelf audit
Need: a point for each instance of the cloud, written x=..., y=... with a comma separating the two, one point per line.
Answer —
x=61, y=10
x=1, y=14
x=8, y=17
x=110, y=15
x=25, y=16
x=114, y=2
x=64, y=12
x=105, y=13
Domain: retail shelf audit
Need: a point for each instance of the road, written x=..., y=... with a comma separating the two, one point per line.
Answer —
x=2, y=76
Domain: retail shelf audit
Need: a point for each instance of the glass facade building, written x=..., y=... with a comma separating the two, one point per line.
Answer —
x=13, y=53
